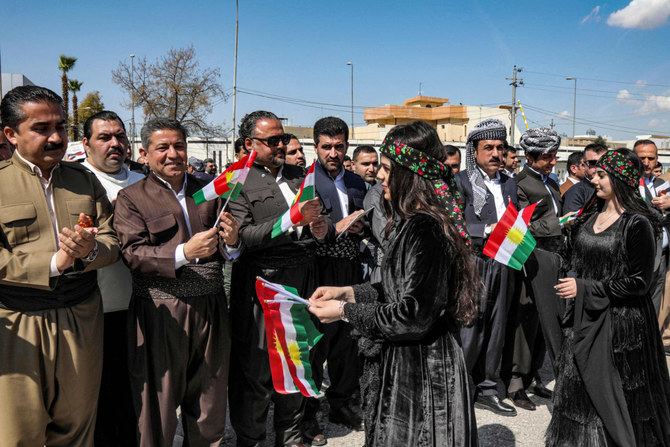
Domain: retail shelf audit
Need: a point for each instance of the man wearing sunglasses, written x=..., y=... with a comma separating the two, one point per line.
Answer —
x=288, y=259
x=575, y=198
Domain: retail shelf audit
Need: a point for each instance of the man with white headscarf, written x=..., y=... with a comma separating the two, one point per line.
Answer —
x=486, y=192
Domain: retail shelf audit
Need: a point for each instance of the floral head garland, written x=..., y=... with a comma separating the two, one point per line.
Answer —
x=432, y=169
x=615, y=164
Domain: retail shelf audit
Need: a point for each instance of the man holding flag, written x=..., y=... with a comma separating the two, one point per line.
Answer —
x=280, y=246
x=486, y=192
x=180, y=342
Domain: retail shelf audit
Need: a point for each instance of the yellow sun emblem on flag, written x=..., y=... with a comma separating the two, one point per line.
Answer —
x=515, y=235
x=294, y=353
x=278, y=344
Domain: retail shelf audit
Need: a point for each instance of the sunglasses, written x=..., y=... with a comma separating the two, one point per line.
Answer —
x=592, y=163
x=274, y=140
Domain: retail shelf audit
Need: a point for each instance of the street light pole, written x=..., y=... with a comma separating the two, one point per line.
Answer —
x=132, y=104
x=574, y=108
x=352, y=99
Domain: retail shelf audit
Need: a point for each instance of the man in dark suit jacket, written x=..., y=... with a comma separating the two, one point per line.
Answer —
x=483, y=342
x=288, y=259
x=180, y=347
x=339, y=264
x=525, y=348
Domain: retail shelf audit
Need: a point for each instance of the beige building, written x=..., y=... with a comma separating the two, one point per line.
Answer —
x=452, y=122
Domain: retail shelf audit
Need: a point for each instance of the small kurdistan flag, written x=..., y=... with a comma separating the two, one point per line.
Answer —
x=290, y=335
x=293, y=216
x=510, y=242
x=569, y=217
x=229, y=183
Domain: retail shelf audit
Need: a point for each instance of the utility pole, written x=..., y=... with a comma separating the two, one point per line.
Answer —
x=552, y=124
x=237, y=22
x=515, y=83
x=132, y=104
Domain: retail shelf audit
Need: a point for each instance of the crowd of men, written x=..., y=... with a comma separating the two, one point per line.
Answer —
x=108, y=329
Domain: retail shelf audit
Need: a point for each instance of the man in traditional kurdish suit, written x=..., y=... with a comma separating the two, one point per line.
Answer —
x=51, y=316
x=486, y=193
x=179, y=342
x=525, y=346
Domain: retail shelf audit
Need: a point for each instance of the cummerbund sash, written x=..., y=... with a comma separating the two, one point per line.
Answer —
x=71, y=288
x=192, y=280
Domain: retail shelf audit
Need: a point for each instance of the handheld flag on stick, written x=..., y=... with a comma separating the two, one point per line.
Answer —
x=510, y=242
x=642, y=188
x=290, y=335
x=663, y=189
x=229, y=183
x=293, y=216
x=569, y=217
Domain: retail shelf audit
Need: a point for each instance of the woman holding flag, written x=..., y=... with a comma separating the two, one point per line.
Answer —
x=416, y=389
x=612, y=385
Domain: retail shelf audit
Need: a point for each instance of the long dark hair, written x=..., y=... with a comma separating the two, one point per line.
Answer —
x=412, y=194
x=626, y=197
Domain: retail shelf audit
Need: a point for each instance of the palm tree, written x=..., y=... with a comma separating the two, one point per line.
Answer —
x=65, y=64
x=74, y=86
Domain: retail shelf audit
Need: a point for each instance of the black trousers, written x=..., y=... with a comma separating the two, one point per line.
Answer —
x=250, y=381
x=115, y=425
x=483, y=342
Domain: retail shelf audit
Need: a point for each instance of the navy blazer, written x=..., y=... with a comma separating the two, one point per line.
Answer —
x=326, y=190
x=475, y=224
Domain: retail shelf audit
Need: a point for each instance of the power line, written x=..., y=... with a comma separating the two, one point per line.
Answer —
x=598, y=80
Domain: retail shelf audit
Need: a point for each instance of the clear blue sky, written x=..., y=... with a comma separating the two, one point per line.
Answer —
x=461, y=50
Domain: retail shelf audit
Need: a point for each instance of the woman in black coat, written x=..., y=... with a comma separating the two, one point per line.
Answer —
x=415, y=389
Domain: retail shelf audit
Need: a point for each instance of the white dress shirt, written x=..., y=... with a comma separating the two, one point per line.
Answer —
x=342, y=192
x=493, y=185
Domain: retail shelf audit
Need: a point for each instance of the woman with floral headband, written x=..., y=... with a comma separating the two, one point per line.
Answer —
x=415, y=390
x=612, y=386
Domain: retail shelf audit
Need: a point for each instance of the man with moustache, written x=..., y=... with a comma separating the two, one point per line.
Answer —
x=648, y=153
x=288, y=259
x=106, y=146
x=179, y=342
x=453, y=158
x=210, y=167
x=51, y=315
x=339, y=264
x=486, y=194
x=294, y=153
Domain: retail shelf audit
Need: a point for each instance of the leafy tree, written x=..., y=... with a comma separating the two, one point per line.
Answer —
x=65, y=64
x=74, y=86
x=90, y=105
x=174, y=86
x=600, y=140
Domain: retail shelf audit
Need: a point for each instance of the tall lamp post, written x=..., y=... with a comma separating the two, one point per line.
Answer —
x=574, y=108
x=352, y=98
x=132, y=104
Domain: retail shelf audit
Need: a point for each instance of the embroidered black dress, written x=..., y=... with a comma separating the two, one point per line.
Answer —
x=415, y=389
x=612, y=387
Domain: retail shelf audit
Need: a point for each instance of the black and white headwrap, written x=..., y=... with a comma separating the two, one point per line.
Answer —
x=489, y=129
x=540, y=141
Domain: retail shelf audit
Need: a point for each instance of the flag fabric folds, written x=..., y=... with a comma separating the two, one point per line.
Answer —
x=229, y=183
x=511, y=243
x=290, y=335
x=293, y=216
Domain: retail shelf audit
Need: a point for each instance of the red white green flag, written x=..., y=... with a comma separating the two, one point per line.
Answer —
x=293, y=216
x=229, y=183
x=290, y=335
x=511, y=243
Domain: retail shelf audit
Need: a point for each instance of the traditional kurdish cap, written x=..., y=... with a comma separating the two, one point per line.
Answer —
x=615, y=164
x=489, y=129
x=437, y=172
x=540, y=141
